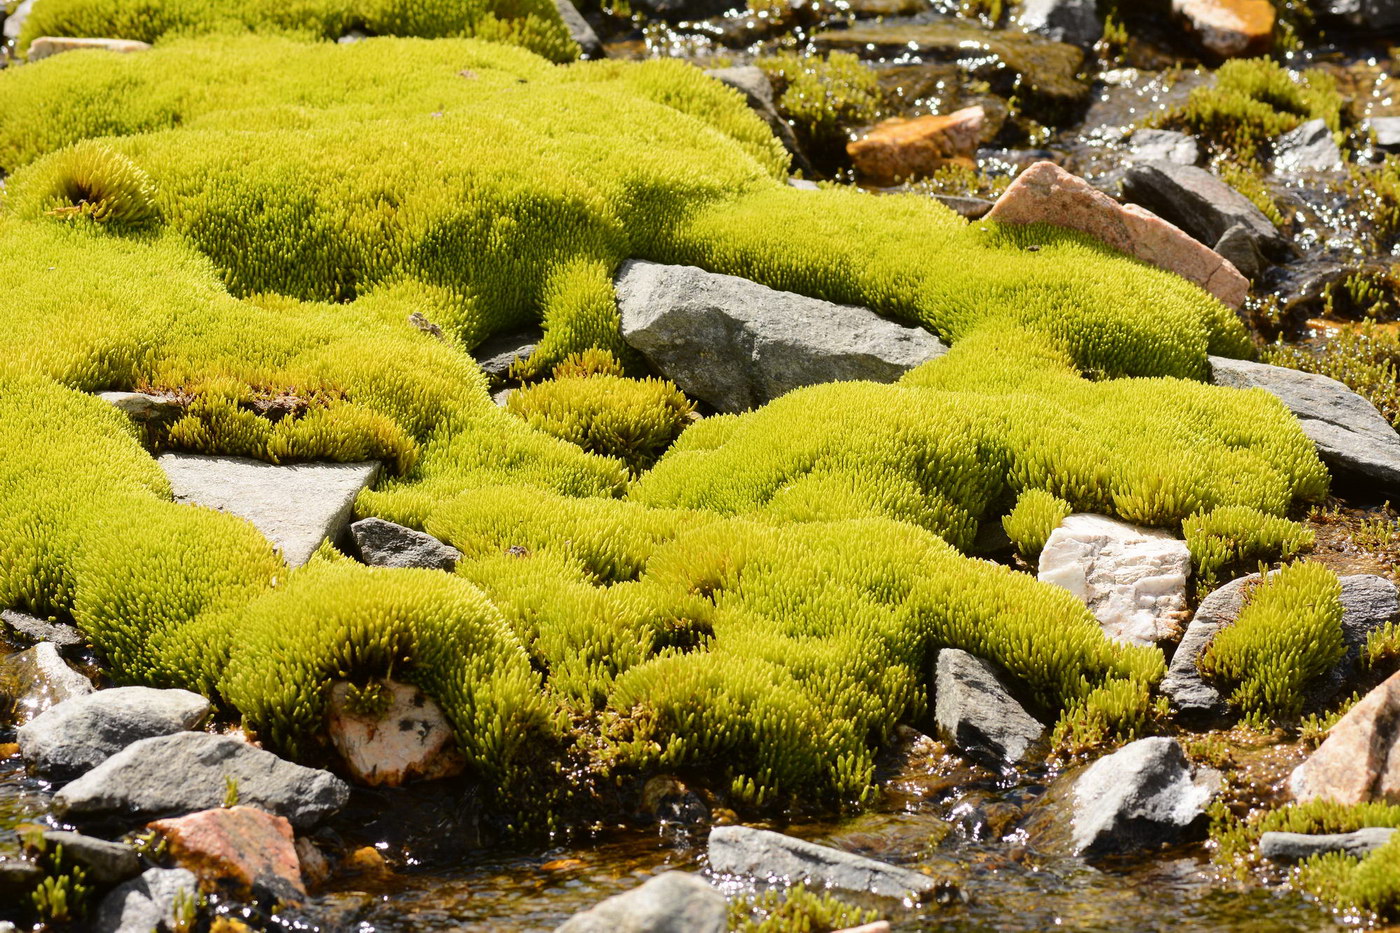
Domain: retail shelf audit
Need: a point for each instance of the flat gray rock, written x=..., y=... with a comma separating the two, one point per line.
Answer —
x=672, y=902
x=386, y=544
x=1073, y=21
x=104, y=862
x=296, y=506
x=737, y=344
x=1199, y=203
x=76, y=735
x=764, y=855
x=977, y=714
x=35, y=679
x=1294, y=847
x=28, y=629
x=146, y=903
x=1350, y=434
x=1167, y=145
x=1139, y=797
x=173, y=775
x=1307, y=148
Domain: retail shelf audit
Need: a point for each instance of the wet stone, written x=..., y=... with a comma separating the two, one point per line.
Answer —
x=579, y=29
x=1308, y=148
x=899, y=150
x=1169, y=145
x=147, y=903
x=1141, y=796
x=1200, y=203
x=1386, y=131
x=390, y=733
x=1294, y=847
x=104, y=862
x=1242, y=251
x=1228, y=28
x=240, y=849
x=27, y=629
x=17, y=878
x=35, y=679
x=1073, y=21
x=672, y=902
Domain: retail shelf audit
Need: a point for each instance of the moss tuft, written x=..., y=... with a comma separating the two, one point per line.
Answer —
x=1233, y=539
x=1036, y=515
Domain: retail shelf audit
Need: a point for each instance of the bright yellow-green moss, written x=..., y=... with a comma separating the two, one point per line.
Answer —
x=795, y=910
x=1236, y=538
x=1036, y=514
x=533, y=24
x=824, y=98
x=1286, y=636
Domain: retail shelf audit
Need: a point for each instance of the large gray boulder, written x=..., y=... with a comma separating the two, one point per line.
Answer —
x=153, y=901
x=737, y=344
x=296, y=506
x=104, y=862
x=1350, y=434
x=672, y=902
x=764, y=855
x=1073, y=21
x=76, y=735
x=1309, y=147
x=177, y=774
x=35, y=679
x=386, y=544
x=1294, y=847
x=976, y=713
x=1141, y=796
x=1199, y=203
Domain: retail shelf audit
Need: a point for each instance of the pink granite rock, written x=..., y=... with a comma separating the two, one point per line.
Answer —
x=242, y=848
x=1046, y=193
x=1360, y=760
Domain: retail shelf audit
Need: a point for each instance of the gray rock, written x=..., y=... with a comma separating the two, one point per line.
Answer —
x=1307, y=148
x=672, y=902
x=1238, y=246
x=173, y=775
x=737, y=344
x=1072, y=21
x=971, y=208
x=1351, y=436
x=15, y=21
x=78, y=734
x=147, y=903
x=296, y=506
x=34, y=679
x=673, y=10
x=750, y=81
x=579, y=29
x=104, y=862
x=1163, y=145
x=763, y=855
x=975, y=712
x=1183, y=685
x=17, y=878
x=1387, y=131
x=1369, y=14
x=497, y=354
x=1141, y=796
x=28, y=629
x=143, y=406
x=1199, y=203
x=803, y=184
x=1368, y=603
x=385, y=544
x=1294, y=847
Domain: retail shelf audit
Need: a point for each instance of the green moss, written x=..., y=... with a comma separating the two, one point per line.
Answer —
x=1365, y=358
x=91, y=182
x=795, y=910
x=1036, y=515
x=824, y=98
x=1233, y=539
x=1377, y=188
x=1287, y=635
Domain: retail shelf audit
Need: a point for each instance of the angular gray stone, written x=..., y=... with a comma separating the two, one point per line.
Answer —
x=1368, y=603
x=976, y=713
x=1072, y=21
x=143, y=406
x=28, y=629
x=1294, y=847
x=737, y=344
x=1141, y=796
x=1350, y=434
x=971, y=208
x=295, y=506
x=34, y=679
x=672, y=902
x=762, y=854
x=176, y=774
x=1307, y=148
x=1199, y=203
x=78, y=734
x=1238, y=246
x=15, y=21
x=750, y=81
x=1370, y=14
x=386, y=544
x=1167, y=145
x=104, y=862
x=497, y=354
x=146, y=903
x=1387, y=131
x=579, y=29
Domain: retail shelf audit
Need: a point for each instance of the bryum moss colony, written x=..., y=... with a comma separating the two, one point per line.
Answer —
x=252, y=219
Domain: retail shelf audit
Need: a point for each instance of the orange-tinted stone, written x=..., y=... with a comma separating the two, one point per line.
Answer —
x=902, y=150
x=1229, y=28
x=240, y=848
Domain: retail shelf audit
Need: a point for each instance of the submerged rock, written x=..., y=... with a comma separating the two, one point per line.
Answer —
x=243, y=850
x=386, y=544
x=177, y=774
x=1350, y=434
x=737, y=344
x=28, y=629
x=1200, y=203
x=17, y=878
x=1229, y=28
x=1132, y=579
x=1046, y=193
x=35, y=679
x=48, y=46
x=762, y=854
x=899, y=150
x=672, y=902
x=398, y=735
x=1307, y=148
x=1294, y=847
x=295, y=506
x=154, y=901
x=104, y=862
x=1073, y=21
x=78, y=734
x=1141, y=796
x=976, y=712
x=1360, y=759
x=1169, y=145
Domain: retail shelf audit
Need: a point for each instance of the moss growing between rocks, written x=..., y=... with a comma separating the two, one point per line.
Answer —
x=795, y=910
x=1287, y=635
x=1366, y=359
x=1232, y=540
x=1036, y=515
x=824, y=98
